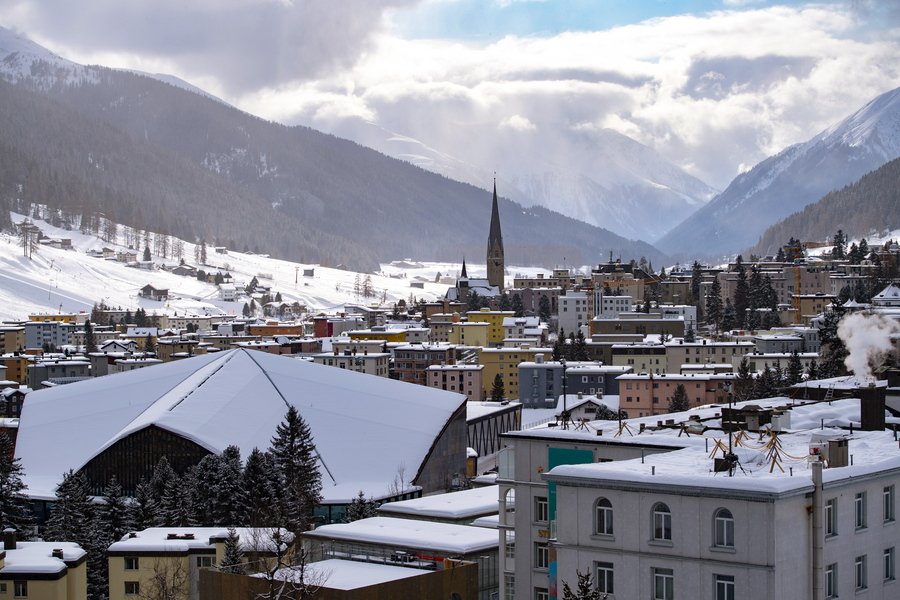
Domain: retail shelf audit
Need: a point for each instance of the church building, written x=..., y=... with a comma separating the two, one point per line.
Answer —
x=492, y=286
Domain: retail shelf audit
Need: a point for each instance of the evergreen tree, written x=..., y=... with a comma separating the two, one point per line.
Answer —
x=232, y=558
x=360, y=508
x=544, y=311
x=146, y=256
x=812, y=371
x=794, y=369
x=15, y=508
x=250, y=288
x=579, y=351
x=679, y=401
x=689, y=335
x=781, y=257
x=246, y=311
x=585, y=589
x=864, y=248
x=729, y=319
x=142, y=510
x=505, y=302
x=840, y=244
x=231, y=497
x=115, y=516
x=90, y=344
x=256, y=483
x=202, y=252
x=741, y=294
x=714, y=305
x=517, y=306
x=149, y=344
x=162, y=474
x=765, y=385
x=696, y=280
x=497, y=389
x=474, y=301
x=296, y=461
x=175, y=508
x=743, y=383
x=72, y=515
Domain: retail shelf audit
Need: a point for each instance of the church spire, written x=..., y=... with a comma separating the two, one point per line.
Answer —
x=495, y=258
x=464, y=275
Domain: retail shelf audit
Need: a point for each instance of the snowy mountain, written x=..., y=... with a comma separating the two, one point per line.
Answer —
x=797, y=176
x=600, y=177
x=167, y=158
x=73, y=280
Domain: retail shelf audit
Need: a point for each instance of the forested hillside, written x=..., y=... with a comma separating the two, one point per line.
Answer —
x=872, y=204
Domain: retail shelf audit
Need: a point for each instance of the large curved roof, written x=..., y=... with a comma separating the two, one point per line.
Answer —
x=365, y=427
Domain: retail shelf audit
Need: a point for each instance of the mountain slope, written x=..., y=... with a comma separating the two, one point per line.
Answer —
x=871, y=204
x=291, y=191
x=600, y=177
x=794, y=178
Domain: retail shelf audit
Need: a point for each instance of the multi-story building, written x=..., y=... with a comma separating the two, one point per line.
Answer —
x=56, y=371
x=505, y=362
x=573, y=311
x=371, y=363
x=411, y=361
x=16, y=366
x=757, y=361
x=525, y=328
x=765, y=524
x=12, y=339
x=494, y=319
x=463, y=379
x=638, y=323
x=608, y=306
x=42, y=570
x=469, y=334
x=541, y=382
x=50, y=333
x=644, y=357
x=705, y=352
x=645, y=395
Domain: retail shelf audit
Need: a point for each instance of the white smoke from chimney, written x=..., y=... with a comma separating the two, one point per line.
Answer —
x=868, y=341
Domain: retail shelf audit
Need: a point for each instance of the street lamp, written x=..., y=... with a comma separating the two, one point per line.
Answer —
x=565, y=410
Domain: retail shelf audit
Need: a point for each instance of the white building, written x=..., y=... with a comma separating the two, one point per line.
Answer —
x=609, y=307
x=654, y=513
x=573, y=311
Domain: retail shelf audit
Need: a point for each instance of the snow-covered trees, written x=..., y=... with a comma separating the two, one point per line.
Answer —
x=15, y=510
x=497, y=389
x=360, y=508
x=679, y=401
x=295, y=459
x=232, y=559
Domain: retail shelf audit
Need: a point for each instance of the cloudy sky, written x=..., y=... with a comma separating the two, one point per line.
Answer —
x=712, y=85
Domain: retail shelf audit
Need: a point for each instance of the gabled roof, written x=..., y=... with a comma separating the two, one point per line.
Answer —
x=365, y=427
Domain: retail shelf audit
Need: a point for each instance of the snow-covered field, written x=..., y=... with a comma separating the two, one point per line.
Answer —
x=55, y=280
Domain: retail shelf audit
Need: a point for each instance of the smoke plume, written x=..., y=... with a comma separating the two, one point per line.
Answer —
x=868, y=341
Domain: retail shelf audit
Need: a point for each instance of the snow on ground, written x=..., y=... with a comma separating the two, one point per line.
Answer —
x=55, y=280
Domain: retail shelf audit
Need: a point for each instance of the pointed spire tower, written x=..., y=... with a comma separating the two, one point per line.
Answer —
x=495, y=260
x=464, y=275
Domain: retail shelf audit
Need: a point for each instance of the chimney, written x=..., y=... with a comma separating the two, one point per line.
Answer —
x=57, y=553
x=871, y=407
x=9, y=539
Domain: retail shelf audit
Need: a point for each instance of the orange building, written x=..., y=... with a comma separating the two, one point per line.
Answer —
x=645, y=395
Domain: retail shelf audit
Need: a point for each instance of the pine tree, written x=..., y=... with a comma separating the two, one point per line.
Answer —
x=544, y=311
x=741, y=294
x=497, y=389
x=115, y=516
x=474, y=301
x=696, y=280
x=175, y=508
x=73, y=513
x=246, y=311
x=505, y=303
x=517, y=306
x=296, y=461
x=714, y=305
x=257, y=486
x=202, y=252
x=689, y=335
x=765, y=385
x=232, y=558
x=90, y=344
x=840, y=244
x=142, y=510
x=149, y=344
x=743, y=383
x=794, y=369
x=360, y=508
x=146, y=256
x=15, y=508
x=812, y=370
x=579, y=351
x=679, y=401
x=231, y=497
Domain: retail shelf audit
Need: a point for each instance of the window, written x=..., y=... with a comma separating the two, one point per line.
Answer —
x=541, y=594
x=889, y=564
x=604, y=517
x=860, y=510
x=205, y=561
x=663, y=584
x=861, y=572
x=131, y=563
x=132, y=588
x=662, y=522
x=541, y=556
x=724, y=526
x=888, y=497
x=831, y=517
x=541, y=509
x=831, y=583
x=20, y=589
x=724, y=585
x=509, y=586
x=605, y=577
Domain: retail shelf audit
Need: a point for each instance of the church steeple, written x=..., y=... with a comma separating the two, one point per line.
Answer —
x=495, y=258
x=464, y=275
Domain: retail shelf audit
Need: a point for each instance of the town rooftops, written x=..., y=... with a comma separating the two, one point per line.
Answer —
x=37, y=557
x=464, y=504
x=186, y=539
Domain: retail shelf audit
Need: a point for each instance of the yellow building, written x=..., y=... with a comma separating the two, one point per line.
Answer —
x=379, y=333
x=494, y=319
x=176, y=555
x=469, y=334
x=16, y=366
x=505, y=362
x=12, y=339
x=42, y=570
x=70, y=318
x=170, y=349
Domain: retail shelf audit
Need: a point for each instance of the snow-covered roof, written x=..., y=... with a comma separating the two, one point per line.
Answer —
x=37, y=557
x=477, y=410
x=410, y=533
x=364, y=427
x=338, y=574
x=466, y=504
x=185, y=539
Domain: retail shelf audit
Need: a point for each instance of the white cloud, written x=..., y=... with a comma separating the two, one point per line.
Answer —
x=517, y=123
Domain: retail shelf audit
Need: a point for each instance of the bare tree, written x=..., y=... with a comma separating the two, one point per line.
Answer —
x=282, y=563
x=169, y=581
